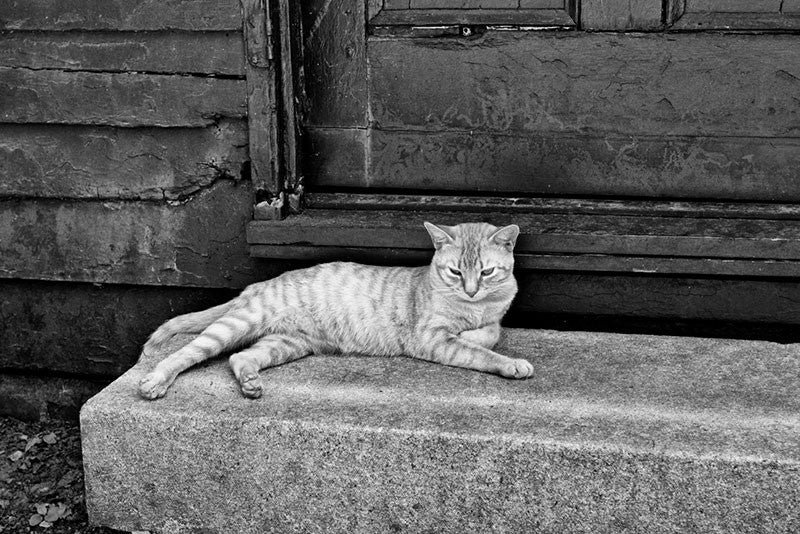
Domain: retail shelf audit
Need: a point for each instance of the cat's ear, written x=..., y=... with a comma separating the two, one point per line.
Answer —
x=440, y=235
x=506, y=236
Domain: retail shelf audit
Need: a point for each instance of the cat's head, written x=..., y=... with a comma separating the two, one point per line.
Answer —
x=474, y=260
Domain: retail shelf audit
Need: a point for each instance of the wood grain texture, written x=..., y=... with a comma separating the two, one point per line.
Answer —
x=199, y=242
x=736, y=21
x=335, y=63
x=87, y=329
x=126, y=99
x=733, y=6
x=544, y=262
x=651, y=84
x=88, y=162
x=621, y=15
x=262, y=101
x=751, y=168
x=122, y=15
x=546, y=233
x=155, y=52
x=552, y=205
x=491, y=17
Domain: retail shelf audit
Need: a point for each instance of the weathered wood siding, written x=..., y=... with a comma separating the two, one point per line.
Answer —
x=700, y=115
x=124, y=175
x=123, y=143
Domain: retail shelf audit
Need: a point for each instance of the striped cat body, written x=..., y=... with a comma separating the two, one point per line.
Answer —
x=448, y=312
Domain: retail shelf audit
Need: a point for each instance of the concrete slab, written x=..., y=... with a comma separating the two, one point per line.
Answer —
x=614, y=433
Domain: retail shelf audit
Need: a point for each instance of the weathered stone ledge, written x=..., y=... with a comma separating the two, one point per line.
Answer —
x=614, y=433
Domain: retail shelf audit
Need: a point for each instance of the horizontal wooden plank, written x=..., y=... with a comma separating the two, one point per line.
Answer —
x=87, y=329
x=92, y=162
x=547, y=205
x=733, y=6
x=464, y=4
x=123, y=99
x=609, y=84
x=545, y=234
x=544, y=262
x=488, y=17
x=748, y=168
x=199, y=242
x=620, y=15
x=736, y=21
x=160, y=52
x=122, y=15
x=659, y=297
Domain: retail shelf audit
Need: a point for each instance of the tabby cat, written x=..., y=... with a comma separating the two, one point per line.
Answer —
x=447, y=312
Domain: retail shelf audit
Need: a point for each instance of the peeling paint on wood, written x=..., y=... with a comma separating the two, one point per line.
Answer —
x=155, y=52
x=638, y=84
x=125, y=99
x=750, y=168
x=262, y=101
x=136, y=15
x=199, y=242
x=90, y=162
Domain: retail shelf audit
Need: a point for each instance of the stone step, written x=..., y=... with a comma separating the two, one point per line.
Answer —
x=614, y=433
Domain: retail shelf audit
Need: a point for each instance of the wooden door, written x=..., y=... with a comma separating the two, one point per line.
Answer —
x=648, y=145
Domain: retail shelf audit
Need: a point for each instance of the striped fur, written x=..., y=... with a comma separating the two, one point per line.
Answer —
x=447, y=312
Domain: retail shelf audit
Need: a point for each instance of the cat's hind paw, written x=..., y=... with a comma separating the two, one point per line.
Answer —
x=517, y=368
x=251, y=385
x=153, y=386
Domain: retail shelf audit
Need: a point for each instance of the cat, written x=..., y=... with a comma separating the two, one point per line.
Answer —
x=447, y=312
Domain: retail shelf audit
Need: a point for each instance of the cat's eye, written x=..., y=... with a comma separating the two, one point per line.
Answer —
x=454, y=272
x=487, y=272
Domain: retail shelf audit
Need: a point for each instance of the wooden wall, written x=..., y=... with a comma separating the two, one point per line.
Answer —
x=124, y=175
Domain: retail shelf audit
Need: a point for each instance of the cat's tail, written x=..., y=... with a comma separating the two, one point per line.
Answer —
x=190, y=323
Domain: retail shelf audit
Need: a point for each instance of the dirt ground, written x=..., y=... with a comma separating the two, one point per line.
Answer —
x=41, y=478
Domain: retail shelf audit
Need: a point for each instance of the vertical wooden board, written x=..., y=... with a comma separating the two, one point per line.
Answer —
x=118, y=163
x=336, y=157
x=684, y=167
x=87, y=329
x=621, y=15
x=335, y=63
x=125, y=99
x=262, y=101
x=649, y=84
x=198, y=242
x=120, y=15
x=157, y=52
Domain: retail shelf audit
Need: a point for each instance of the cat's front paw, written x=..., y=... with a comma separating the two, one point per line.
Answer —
x=153, y=386
x=517, y=368
x=251, y=385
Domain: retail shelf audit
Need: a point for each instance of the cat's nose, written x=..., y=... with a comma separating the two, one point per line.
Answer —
x=470, y=291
